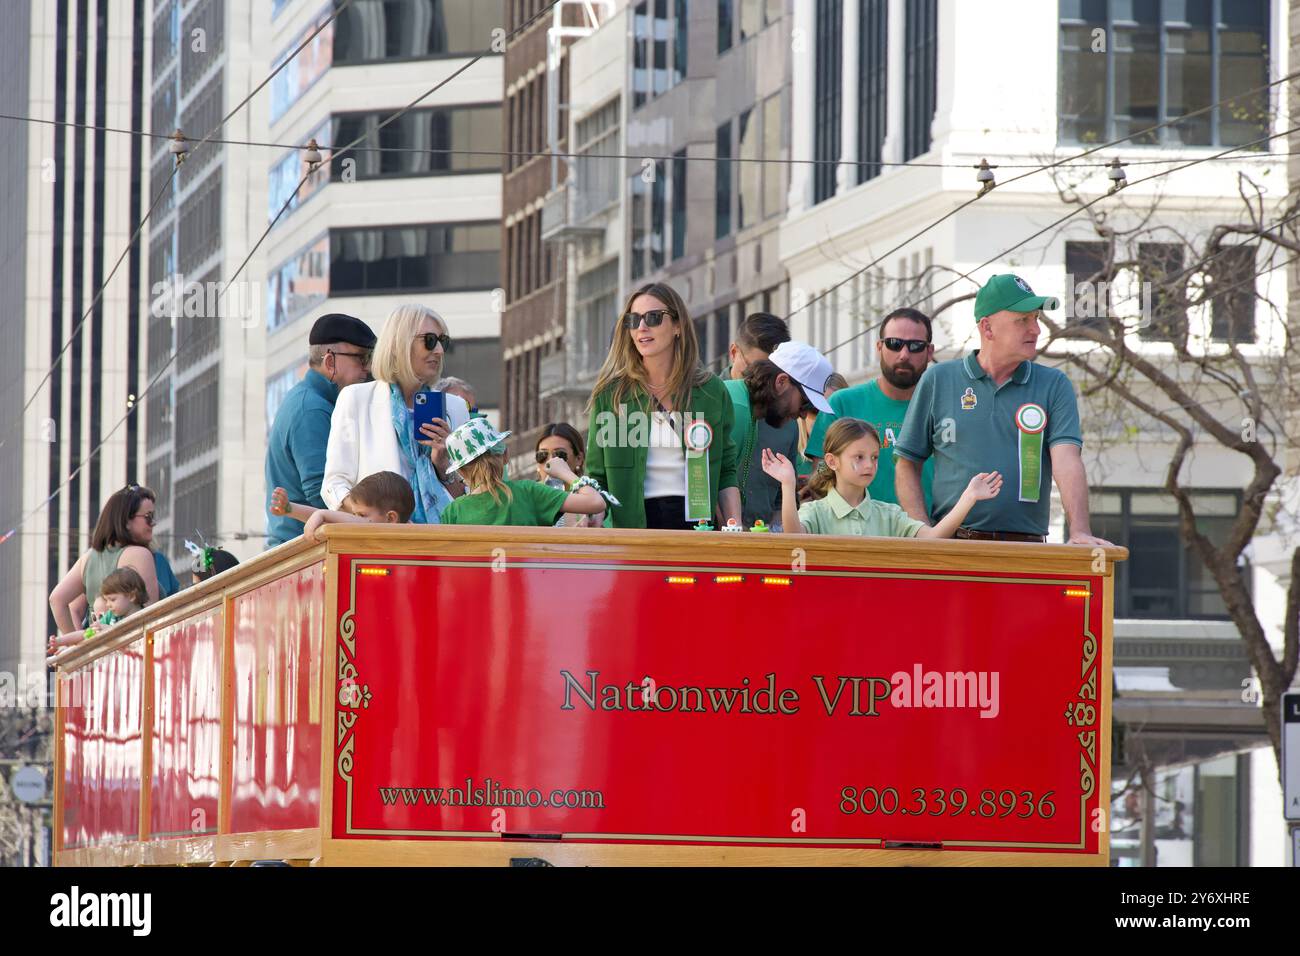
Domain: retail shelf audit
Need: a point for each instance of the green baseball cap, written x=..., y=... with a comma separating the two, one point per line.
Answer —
x=1010, y=292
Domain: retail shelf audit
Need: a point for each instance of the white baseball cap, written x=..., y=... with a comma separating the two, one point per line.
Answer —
x=809, y=369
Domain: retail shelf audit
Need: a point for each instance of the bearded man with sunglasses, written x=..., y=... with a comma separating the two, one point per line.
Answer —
x=905, y=349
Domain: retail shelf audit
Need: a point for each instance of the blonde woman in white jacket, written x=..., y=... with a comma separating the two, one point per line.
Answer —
x=372, y=427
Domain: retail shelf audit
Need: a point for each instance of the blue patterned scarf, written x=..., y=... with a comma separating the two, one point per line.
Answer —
x=430, y=496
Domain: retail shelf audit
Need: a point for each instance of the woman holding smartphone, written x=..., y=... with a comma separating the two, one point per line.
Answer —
x=373, y=425
x=650, y=395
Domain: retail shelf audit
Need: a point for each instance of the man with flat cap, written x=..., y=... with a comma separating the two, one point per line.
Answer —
x=339, y=355
x=998, y=410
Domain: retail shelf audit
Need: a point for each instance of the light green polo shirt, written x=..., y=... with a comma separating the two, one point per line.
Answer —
x=968, y=425
x=760, y=494
x=879, y=519
x=886, y=415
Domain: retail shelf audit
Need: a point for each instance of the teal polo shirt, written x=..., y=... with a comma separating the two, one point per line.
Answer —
x=958, y=417
x=760, y=494
x=295, y=451
x=886, y=415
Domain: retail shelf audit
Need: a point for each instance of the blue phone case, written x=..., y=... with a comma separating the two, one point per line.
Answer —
x=427, y=405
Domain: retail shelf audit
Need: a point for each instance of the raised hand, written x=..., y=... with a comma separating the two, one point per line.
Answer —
x=559, y=468
x=777, y=466
x=985, y=485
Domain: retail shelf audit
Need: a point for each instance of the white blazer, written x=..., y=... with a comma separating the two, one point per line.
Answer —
x=362, y=440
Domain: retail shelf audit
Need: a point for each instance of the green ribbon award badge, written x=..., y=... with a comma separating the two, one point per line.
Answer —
x=699, y=504
x=1031, y=419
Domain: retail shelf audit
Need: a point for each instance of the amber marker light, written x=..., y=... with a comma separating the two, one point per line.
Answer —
x=680, y=579
x=374, y=572
x=1077, y=592
x=780, y=582
x=728, y=578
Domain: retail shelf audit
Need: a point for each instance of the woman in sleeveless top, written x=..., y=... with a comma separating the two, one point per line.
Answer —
x=121, y=540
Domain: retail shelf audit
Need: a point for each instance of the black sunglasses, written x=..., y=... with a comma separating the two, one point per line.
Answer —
x=915, y=346
x=652, y=319
x=362, y=357
x=431, y=340
x=543, y=455
x=149, y=518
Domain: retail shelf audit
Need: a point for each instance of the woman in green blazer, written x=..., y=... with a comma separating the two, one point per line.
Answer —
x=649, y=390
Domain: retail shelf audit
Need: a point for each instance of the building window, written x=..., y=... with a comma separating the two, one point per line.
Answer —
x=649, y=217
x=1232, y=306
x=658, y=200
x=751, y=18
x=660, y=47
x=430, y=142
x=652, y=73
x=298, y=285
x=1090, y=276
x=640, y=69
x=596, y=178
x=726, y=21
x=199, y=225
x=722, y=171
x=1161, y=264
x=293, y=169
x=1170, y=583
x=197, y=402
x=210, y=19
x=826, y=98
x=198, y=330
x=597, y=304
x=749, y=196
x=277, y=387
x=681, y=34
x=873, y=68
x=1163, y=60
x=774, y=185
x=679, y=204
x=203, y=113
x=196, y=509
x=371, y=31
x=921, y=59
x=439, y=257
x=308, y=66
x=477, y=361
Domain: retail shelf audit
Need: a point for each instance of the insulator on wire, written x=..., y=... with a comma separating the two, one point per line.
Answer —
x=180, y=146
x=312, y=154
x=1115, y=172
x=984, y=176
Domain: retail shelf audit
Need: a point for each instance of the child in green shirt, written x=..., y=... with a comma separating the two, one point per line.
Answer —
x=476, y=450
x=851, y=451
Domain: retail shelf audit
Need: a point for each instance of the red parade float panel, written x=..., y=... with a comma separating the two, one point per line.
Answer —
x=472, y=695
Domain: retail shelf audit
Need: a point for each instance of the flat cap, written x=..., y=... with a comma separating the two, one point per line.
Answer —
x=337, y=327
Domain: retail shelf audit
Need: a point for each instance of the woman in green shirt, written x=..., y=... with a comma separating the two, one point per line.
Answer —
x=649, y=389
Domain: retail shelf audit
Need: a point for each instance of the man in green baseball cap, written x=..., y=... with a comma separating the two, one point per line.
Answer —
x=997, y=409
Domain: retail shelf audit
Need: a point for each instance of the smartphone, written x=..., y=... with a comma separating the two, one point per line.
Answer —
x=428, y=405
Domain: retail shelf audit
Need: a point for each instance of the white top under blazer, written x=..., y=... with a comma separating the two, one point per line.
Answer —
x=362, y=440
